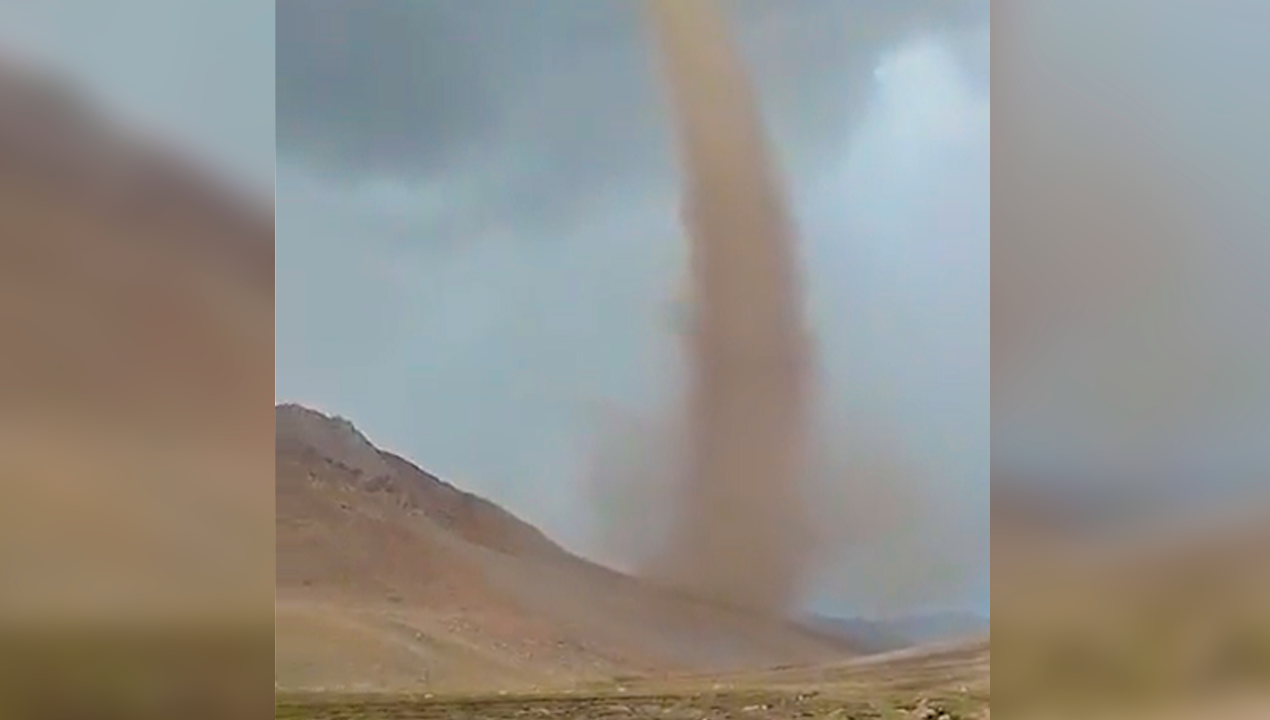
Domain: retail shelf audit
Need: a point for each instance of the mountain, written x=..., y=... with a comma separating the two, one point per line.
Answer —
x=387, y=576
x=867, y=636
x=879, y=636
x=136, y=311
x=940, y=627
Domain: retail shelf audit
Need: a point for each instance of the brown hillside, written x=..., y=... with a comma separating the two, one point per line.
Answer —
x=387, y=577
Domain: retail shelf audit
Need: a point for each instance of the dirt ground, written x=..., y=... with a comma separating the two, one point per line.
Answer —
x=947, y=683
x=776, y=705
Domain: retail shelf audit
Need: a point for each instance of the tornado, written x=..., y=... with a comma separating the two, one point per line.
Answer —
x=739, y=535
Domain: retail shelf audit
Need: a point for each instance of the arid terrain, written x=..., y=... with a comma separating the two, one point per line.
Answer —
x=389, y=578
x=393, y=587
x=948, y=682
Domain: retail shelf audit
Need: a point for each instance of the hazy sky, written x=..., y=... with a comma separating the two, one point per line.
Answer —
x=478, y=247
x=199, y=73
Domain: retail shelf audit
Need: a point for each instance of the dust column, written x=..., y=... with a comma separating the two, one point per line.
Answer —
x=739, y=536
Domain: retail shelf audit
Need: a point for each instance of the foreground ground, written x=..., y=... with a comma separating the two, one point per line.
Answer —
x=947, y=682
x=672, y=707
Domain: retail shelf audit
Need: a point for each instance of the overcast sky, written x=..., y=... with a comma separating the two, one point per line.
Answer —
x=199, y=73
x=478, y=249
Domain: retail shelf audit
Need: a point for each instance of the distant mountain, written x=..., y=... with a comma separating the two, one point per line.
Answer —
x=868, y=636
x=875, y=636
x=938, y=627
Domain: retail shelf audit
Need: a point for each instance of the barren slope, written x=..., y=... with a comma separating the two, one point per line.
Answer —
x=389, y=578
x=135, y=316
x=949, y=681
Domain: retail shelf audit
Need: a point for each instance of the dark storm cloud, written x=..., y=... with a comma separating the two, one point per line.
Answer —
x=535, y=102
x=396, y=87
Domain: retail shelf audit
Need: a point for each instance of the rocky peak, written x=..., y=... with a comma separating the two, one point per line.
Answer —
x=330, y=436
